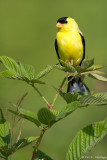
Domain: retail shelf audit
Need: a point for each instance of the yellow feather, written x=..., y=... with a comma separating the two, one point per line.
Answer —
x=69, y=41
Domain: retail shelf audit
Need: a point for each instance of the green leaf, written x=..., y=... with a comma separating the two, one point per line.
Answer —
x=31, y=116
x=44, y=72
x=87, y=63
x=7, y=74
x=58, y=67
x=79, y=69
x=10, y=64
x=70, y=97
x=23, y=143
x=86, y=139
x=65, y=67
x=101, y=96
x=93, y=99
x=98, y=77
x=94, y=67
x=4, y=136
x=4, y=131
x=69, y=108
x=45, y=116
x=37, y=81
x=66, y=110
x=68, y=67
x=19, y=71
x=27, y=71
x=41, y=155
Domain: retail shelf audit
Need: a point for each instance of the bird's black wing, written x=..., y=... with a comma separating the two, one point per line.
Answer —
x=56, y=48
x=83, y=42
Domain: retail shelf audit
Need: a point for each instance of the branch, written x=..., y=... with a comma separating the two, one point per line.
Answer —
x=49, y=106
x=21, y=99
x=38, y=143
x=59, y=90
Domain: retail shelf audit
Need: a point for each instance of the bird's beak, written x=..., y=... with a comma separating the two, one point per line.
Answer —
x=58, y=25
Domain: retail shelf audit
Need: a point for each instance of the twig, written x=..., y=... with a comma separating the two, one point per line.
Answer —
x=21, y=99
x=49, y=106
x=38, y=143
x=59, y=90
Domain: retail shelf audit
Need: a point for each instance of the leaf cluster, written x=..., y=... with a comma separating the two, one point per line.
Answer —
x=6, y=147
x=45, y=118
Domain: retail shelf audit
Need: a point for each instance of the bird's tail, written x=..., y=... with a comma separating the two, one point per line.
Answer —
x=77, y=84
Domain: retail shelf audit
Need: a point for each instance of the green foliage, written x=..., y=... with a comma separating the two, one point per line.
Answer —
x=87, y=63
x=66, y=110
x=4, y=131
x=11, y=65
x=98, y=77
x=22, y=143
x=18, y=71
x=31, y=116
x=45, y=116
x=6, y=147
x=86, y=139
x=44, y=72
x=42, y=155
x=88, y=99
x=95, y=99
x=87, y=68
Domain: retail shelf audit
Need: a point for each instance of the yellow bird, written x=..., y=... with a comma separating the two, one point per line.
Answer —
x=70, y=47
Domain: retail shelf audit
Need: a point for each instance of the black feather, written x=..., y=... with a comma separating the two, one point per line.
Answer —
x=83, y=42
x=56, y=48
x=62, y=20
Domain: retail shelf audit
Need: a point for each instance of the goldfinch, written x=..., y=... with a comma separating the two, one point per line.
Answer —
x=70, y=47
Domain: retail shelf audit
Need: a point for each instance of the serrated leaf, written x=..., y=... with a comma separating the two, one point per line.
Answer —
x=10, y=64
x=27, y=71
x=59, y=67
x=42, y=156
x=44, y=72
x=45, y=116
x=66, y=110
x=87, y=63
x=18, y=71
x=93, y=100
x=31, y=116
x=98, y=77
x=101, y=96
x=68, y=67
x=86, y=139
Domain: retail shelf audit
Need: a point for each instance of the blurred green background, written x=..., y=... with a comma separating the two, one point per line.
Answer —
x=27, y=33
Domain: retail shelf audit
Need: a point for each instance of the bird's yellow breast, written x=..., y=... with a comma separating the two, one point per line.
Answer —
x=70, y=47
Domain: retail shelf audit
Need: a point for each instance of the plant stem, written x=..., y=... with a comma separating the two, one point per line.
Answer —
x=38, y=143
x=59, y=90
x=21, y=99
x=49, y=106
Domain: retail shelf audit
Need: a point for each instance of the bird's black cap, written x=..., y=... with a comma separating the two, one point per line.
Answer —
x=62, y=20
